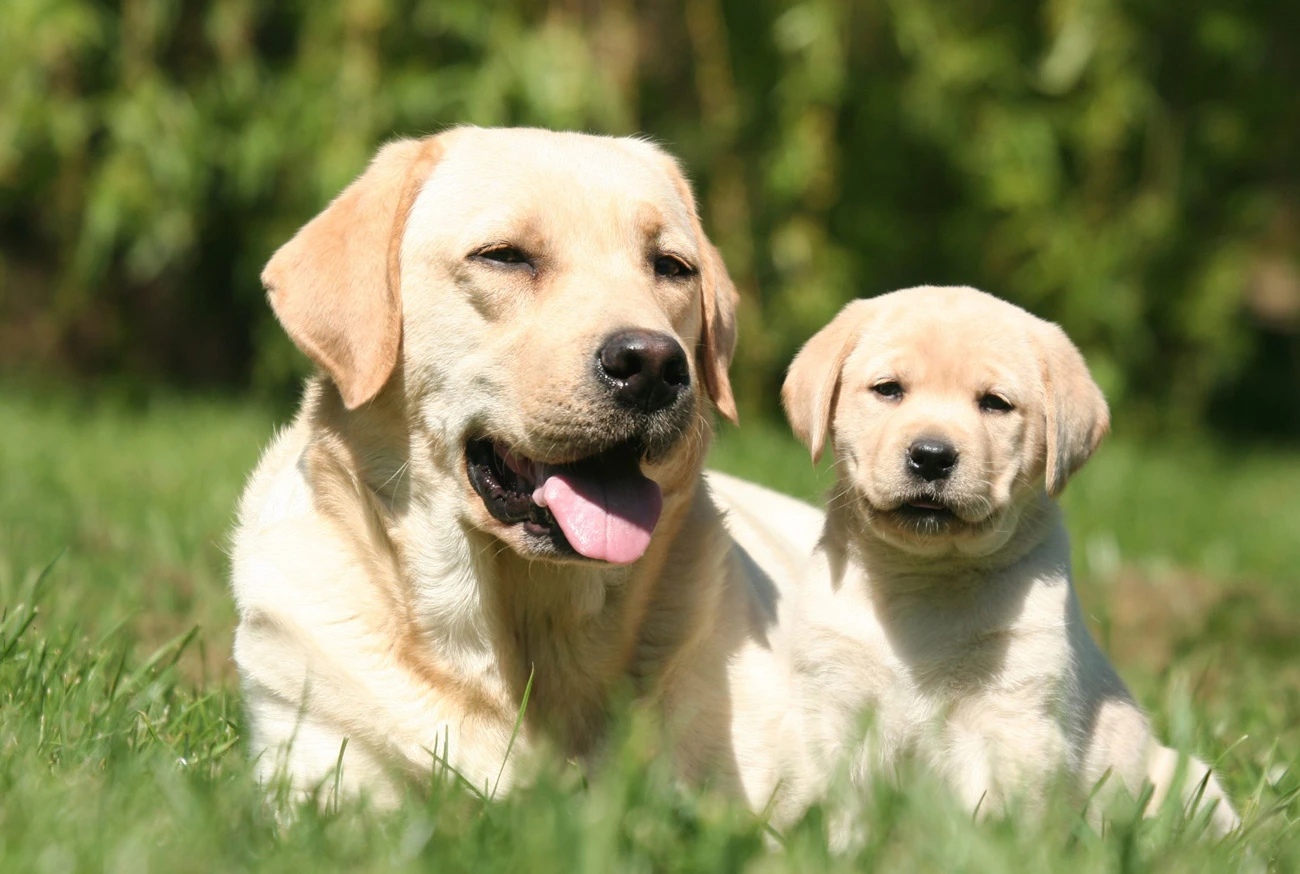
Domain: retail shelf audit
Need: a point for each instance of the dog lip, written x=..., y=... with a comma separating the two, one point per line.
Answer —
x=924, y=514
x=530, y=469
x=503, y=480
x=528, y=465
x=932, y=514
x=509, y=485
x=923, y=510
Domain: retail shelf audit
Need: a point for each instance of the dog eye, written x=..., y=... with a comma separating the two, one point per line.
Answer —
x=672, y=267
x=991, y=403
x=503, y=255
x=888, y=389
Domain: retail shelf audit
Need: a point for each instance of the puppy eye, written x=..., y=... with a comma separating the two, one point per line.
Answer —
x=672, y=267
x=889, y=389
x=502, y=254
x=991, y=403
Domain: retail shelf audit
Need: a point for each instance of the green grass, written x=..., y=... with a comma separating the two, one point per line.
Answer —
x=120, y=744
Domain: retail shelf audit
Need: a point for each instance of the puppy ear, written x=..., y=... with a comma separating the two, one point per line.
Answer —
x=813, y=382
x=335, y=287
x=718, y=334
x=1077, y=417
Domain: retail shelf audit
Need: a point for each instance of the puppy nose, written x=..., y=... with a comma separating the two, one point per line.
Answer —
x=647, y=370
x=931, y=459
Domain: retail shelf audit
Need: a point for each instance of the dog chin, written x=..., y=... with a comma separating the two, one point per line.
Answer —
x=933, y=527
x=527, y=540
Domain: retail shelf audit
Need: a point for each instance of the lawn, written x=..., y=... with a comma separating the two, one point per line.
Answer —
x=120, y=724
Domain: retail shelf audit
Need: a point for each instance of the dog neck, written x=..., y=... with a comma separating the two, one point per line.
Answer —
x=482, y=614
x=941, y=612
x=849, y=532
x=896, y=576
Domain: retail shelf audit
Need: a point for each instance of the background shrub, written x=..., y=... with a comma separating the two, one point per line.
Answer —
x=1125, y=167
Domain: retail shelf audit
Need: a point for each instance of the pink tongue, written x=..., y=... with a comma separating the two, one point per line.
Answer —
x=605, y=519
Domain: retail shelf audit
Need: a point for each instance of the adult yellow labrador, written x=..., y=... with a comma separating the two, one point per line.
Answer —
x=940, y=600
x=498, y=476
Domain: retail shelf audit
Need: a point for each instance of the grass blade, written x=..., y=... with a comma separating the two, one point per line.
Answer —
x=519, y=721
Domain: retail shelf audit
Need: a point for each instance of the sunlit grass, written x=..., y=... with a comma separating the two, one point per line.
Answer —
x=120, y=727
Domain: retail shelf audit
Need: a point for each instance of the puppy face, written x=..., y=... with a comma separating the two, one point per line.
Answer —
x=950, y=411
x=564, y=324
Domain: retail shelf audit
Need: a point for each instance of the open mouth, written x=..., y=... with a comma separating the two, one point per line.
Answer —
x=601, y=507
x=926, y=516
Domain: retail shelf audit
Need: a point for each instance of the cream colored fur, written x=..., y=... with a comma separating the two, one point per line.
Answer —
x=963, y=646
x=380, y=603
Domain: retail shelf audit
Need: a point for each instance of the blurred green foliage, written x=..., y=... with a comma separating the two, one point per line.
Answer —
x=1125, y=167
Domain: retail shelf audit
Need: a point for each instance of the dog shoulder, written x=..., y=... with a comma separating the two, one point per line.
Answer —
x=304, y=530
x=775, y=533
x=277, y=489
x=275, y=517
x=799, y=521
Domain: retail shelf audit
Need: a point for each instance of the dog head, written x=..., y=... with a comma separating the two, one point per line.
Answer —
x=950, y=412
x=549, y=310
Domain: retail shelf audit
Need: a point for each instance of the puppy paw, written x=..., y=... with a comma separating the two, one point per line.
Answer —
x=1200, y=790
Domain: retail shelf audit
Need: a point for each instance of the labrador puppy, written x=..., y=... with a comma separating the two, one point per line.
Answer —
x=494, y=483
x=940, y=601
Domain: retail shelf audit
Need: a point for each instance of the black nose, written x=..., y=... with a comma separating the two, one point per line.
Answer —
x=931, y=459
x=646, y=370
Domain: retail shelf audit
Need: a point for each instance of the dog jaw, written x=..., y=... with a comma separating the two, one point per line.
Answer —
x=945, y=534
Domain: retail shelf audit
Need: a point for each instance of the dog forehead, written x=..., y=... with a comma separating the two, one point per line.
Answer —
x=936, y=335
x=490, y=179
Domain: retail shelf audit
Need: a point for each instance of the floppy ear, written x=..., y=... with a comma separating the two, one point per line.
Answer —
x=335, y=287
x=813, y=381
x=718, y=299
x=1077, y=417
x=718, y=334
